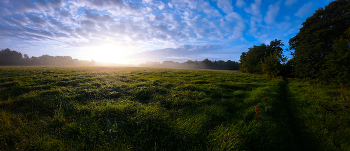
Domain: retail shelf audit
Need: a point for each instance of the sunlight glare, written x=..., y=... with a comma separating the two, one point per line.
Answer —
x=109, y=53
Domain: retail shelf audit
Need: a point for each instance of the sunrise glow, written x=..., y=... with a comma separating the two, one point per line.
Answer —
x=108, y=53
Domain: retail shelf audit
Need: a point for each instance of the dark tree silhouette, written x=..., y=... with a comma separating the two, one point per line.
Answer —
x=317, y=39
x=12, y=57
x=337, y=62
x=8, y=57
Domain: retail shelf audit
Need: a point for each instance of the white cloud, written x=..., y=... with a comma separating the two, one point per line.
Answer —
x=304, y=10
x=147, y=24
x=182, y=3
x=256, y=17
x=239, y=25
x=254, y=8
x=209, y=10
x=272, y=13
x=290, y=2
x=147, y=1
x=170, y=5
x=225, y=6
x=161, y=5
x=240, y=3
x=217, y=29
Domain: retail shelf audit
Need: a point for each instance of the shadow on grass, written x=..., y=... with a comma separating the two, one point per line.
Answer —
x=302, y=138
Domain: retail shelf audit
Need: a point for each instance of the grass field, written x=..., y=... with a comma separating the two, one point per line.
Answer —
x=115, y=108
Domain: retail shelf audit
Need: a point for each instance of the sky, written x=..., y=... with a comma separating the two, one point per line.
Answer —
x=137, y=31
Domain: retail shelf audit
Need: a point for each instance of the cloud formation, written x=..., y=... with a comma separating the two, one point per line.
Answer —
x=272, y=13
x=178, y=28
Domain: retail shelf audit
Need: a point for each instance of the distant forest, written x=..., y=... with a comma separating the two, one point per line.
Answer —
x=205, y=64
x=13, y=58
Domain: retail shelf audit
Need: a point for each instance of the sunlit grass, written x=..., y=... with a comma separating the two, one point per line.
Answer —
x=106, y=108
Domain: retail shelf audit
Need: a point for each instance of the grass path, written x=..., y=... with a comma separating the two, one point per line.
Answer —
x=294, y=128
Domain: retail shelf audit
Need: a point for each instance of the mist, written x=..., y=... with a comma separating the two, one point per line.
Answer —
x=205, y=64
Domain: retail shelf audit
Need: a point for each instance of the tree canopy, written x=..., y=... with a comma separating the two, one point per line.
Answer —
x=322, y=39
x=263, y=59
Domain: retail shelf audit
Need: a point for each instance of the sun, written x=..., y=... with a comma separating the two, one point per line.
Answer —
x=109, y=53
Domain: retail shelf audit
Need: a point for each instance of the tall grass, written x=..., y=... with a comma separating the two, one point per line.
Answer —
x=322, y=112
x=107, y=108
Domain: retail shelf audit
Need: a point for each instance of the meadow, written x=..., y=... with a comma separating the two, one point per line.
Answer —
x=123, y=108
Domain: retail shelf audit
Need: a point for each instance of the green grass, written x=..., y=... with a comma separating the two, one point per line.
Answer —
x=108, y=108
x=322, y=113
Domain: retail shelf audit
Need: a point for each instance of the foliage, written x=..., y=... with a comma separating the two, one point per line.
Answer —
x=272, y=65
x=336, y=67
x=8, y=57
x=263, y=59
x=317, y=38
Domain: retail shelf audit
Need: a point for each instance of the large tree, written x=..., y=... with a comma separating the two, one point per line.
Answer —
x=337, y=64
x=317, y=36
x=256, y=60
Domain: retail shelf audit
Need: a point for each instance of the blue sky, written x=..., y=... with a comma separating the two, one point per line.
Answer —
x=136, y=31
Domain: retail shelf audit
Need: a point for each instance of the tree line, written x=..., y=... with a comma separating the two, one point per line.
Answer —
x=320, y=50
x=205, y=64
x=11, y=57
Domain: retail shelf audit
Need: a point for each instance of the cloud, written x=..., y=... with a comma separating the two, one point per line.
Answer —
x=254, y=8
x=170, y=5
x=102, y=5
x=209, y=10
x=116, y=7
x=272, y=13
x=290, y=2
x=25, y=6
x=181, y=53
x=64, y=13
x=182, y=29
x=98, y=18
x=161, y=6
x=256, y=17
x=147, y=1
x=239, y=25
x=304, y=10
x=225, y=6
x=240, y=3
x=88, y=24
x=36, y=19
x=192, y=4
x=16, y=20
